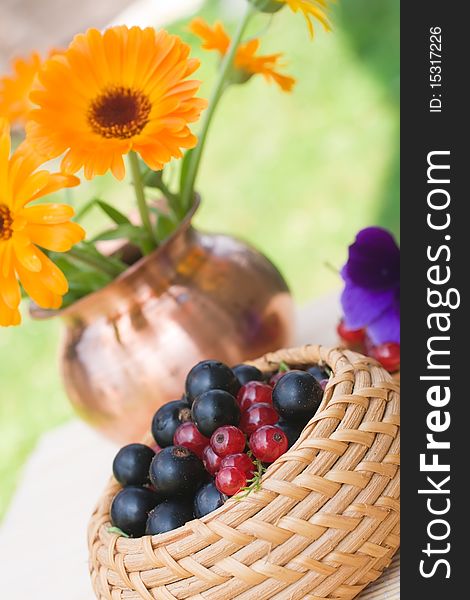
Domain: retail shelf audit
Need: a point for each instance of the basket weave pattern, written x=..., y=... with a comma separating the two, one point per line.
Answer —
x=324, y=524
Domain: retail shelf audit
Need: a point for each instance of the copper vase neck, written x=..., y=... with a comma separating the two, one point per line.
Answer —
x=133, y=286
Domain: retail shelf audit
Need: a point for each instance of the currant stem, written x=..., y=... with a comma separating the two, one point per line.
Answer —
x=140, y=196
x=219, y=88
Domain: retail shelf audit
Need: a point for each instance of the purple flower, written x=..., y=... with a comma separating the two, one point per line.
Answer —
x=371, y=296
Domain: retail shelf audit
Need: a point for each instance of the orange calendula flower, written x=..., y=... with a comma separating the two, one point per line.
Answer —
x=246, y=61
x=15, y=88
x=23, y=228
x=113, y=92
x=267, y=65
x=313, y=10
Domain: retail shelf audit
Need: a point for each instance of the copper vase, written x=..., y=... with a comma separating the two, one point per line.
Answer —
x=128, y=347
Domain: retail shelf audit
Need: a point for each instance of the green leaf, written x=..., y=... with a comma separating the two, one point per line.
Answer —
x=115, y=215
x=88, y=250
x=131, y=233
x=126, y=231
x=84, y=210
x=83, y=279
x=165, y=227
x=184, y=168
x=90, y=281
x=118, y=531
x=152, y=179
x=283, y=367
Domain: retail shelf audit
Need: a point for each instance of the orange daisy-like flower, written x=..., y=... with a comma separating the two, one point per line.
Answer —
x=246, y=61
x=23, y=228
x=313, y=10
x=15, y=88
x=267, y=65
x=113, y=92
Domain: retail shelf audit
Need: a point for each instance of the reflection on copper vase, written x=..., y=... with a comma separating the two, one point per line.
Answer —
x=127, y=348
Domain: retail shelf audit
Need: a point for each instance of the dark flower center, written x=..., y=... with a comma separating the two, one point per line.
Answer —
x=119, y=112
x=6, y=222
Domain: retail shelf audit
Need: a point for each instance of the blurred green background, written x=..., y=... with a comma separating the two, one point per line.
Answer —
x=295, y=174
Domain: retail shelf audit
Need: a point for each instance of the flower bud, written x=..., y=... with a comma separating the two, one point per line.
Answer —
x=268, y=6
x=239, y=76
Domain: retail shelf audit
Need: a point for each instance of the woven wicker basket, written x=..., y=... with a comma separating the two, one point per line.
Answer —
x=324, y=525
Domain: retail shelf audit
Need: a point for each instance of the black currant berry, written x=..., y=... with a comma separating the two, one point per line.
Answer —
x=207, y=499
x=132, y=463
x=210, y=375
x=213, y=409
x=318, y=373
x=246, y=373
x=167, y=419
x=176, y=471
x=130, y=509
x=169, y=515
x=292, y=430
x=296, y=396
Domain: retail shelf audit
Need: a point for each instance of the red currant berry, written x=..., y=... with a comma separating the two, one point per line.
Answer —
x=211, y=460
x=189, y=436
x=228, y=440
x=230, y=480
x=388, y=355
x=257, y=416
x=242, y=462
x=275, y=378
x=254, y=392
x=351, y=336
x=268, y=443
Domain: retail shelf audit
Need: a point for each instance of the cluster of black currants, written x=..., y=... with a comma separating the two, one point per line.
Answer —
x=211, y=444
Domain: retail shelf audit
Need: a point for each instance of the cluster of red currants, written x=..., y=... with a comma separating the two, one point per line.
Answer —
x=387, y=354
x=214, y=442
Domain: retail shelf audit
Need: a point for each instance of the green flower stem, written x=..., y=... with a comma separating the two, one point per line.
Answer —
x=220, y=86
x=98, y=262
x=140, y=196
x=172, y=199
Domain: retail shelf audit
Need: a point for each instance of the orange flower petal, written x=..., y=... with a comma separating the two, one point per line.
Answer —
x=52, y=276
x=5, y=197
x=26, y=253
x=57, y=181
x=312, y=10
x=15, y=88
x=10, y=291
x=36, y=289
x=47, y=214
x=266, y=65
x=24, y=190
x=8, y=317
x=214, y=38
x=58, y=238
x=117, y=167
x=45, y=287
x=6, y=259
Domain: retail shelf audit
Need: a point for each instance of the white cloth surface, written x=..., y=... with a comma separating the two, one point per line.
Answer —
x=43, y=551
